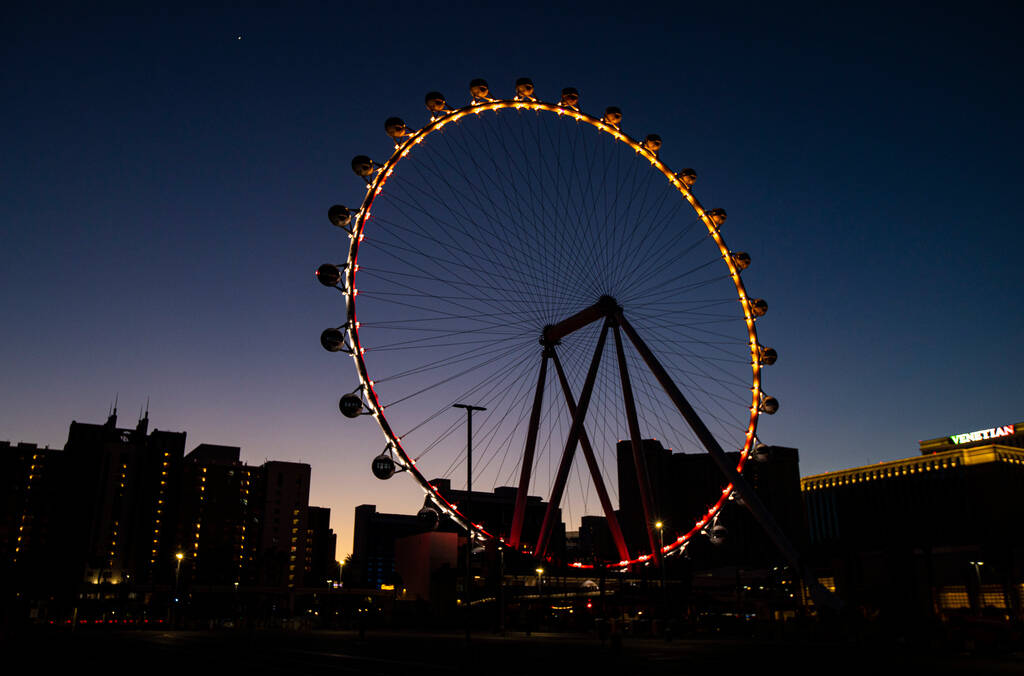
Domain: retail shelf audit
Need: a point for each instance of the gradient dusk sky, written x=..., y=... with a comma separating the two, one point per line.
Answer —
x=166, y=176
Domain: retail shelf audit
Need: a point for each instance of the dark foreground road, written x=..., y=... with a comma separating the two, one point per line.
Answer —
x=342, y=653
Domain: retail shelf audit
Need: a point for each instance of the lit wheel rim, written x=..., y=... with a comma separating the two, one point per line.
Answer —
x=453, y=300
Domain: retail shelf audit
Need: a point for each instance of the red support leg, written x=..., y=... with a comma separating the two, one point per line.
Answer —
x=519, y=512
x=639, y=460
x=595, y=470
x=821, y=595
x=570, y=448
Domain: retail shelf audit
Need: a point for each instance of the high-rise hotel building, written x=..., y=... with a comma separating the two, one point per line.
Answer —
x=935, y=533
x=125, y=514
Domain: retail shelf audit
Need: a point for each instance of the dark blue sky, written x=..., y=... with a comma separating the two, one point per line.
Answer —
x=164, y=188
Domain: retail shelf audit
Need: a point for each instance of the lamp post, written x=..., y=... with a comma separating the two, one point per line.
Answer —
x=977, y=577
x=501, y=589
x=177, y=574
x=469, y=501
x=540, y=594
x=177, y=580
x=664, y=590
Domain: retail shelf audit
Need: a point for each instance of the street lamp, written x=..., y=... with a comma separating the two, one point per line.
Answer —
x=540, y=592
x=177, y=573
x=664, y=590
x=177, y=577
x=469, y=502
x=977, y=575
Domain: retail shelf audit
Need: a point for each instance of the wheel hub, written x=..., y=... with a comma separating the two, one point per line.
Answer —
x=606, y=306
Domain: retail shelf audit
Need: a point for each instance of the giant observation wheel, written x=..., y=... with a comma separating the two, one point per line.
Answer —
x=542, y=264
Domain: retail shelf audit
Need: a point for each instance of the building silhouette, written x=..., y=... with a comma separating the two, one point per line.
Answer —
x=373, y=545
x=30, y=483
x=284, y=496
x=119, y=503
x=321, y=565
x=375, y=534
x=685, y=485
x=218, y=519
x=934, y=534
x=123, y=521
x=493, y=511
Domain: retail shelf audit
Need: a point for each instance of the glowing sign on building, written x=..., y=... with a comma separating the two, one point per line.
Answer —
x=991, y=433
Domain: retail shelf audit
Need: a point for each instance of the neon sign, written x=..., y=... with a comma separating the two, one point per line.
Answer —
x=991, y=433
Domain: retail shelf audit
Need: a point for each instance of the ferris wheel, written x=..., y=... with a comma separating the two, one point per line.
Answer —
x=548, y=269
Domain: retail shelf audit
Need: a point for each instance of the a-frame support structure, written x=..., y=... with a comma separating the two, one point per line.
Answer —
x=608, y=310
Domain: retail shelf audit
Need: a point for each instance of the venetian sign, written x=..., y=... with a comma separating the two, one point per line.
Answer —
x=991, y=433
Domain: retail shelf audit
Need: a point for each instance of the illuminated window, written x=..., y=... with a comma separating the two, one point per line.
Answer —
x=954, y=596
x=992, y=596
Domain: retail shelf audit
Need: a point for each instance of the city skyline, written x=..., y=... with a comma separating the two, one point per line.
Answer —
x=167, y=185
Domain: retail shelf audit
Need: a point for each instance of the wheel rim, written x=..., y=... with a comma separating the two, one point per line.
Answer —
x=473, y=294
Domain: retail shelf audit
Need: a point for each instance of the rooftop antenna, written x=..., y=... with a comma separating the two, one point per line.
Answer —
x=147, y=407
x=115, y=402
